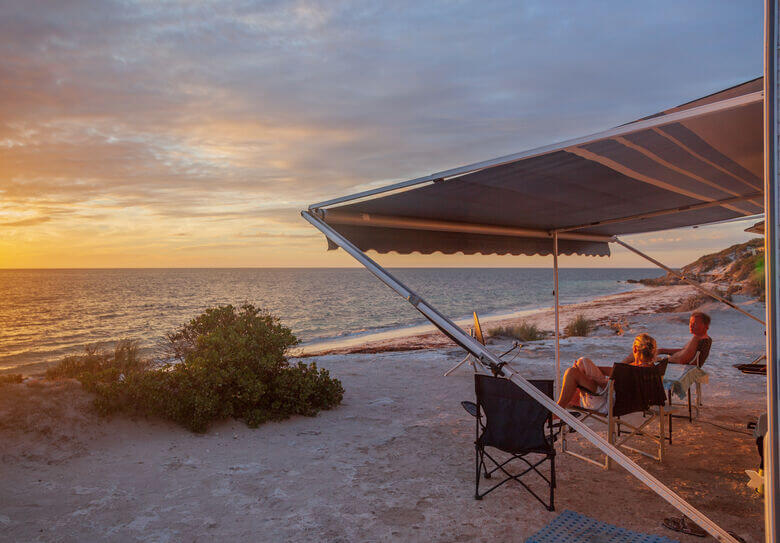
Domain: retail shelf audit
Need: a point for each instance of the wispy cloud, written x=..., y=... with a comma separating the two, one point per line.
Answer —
x=26, y=222
x=149, y=123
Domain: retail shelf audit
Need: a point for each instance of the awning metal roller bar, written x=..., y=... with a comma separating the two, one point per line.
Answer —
x=370, y=219
x=487, y=359
x=653, y=122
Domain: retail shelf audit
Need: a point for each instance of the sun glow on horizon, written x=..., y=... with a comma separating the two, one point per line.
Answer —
x=181, y=135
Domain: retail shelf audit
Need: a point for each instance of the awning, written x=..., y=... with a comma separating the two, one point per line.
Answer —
x=698, y=163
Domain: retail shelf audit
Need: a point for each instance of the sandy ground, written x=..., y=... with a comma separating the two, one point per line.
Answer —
x=393, y=462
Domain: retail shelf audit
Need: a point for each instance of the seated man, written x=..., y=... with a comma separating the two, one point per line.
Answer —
x=585, y=375
x=699, y=324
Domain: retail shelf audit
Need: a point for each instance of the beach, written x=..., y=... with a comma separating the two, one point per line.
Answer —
x=395, y=461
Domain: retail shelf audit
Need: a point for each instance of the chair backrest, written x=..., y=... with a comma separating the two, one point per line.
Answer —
x=478, y=330
x=662, y=364
x=514, y=420
x=703, y=350
x=636, y=388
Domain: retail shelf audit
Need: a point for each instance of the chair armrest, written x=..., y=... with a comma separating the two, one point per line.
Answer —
x=470, y=407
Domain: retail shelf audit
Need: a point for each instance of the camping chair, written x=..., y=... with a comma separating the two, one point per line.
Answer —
x=477, y=334
x=630, y=389
x=755, y=367
x=702, y=352
x=513, y=423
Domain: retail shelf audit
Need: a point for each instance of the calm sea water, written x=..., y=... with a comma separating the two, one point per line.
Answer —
x=47, y=314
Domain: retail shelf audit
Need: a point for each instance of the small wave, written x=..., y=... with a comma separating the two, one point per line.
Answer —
x=352, y=332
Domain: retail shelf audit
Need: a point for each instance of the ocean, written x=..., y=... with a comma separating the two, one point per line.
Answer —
x=48, y=314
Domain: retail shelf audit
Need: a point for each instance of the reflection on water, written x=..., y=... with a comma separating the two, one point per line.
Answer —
x=46, y=314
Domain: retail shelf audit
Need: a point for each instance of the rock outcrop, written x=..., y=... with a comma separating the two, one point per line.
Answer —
x=736, y=270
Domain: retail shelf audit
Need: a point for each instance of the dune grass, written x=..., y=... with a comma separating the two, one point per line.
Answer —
x=10, y=379
x=96, y=364
x=579, y=326
x=523, y=332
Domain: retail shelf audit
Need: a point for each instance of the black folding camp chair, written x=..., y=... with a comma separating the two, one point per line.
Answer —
x=511, y=421
x=630, y=389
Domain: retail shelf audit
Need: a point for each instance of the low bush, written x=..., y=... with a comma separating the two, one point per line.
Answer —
x=228, y=362
x=11, y=379
x=522, y=332
x=755, y=285
x=579, y=326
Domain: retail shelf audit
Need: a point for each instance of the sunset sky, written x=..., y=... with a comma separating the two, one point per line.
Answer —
x=190, y=134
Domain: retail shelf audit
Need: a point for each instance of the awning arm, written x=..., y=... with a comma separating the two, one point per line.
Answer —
x=689, y=281
x=652, y=214
x=489, y=360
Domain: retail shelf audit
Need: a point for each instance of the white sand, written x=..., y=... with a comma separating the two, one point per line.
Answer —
x=394, y=461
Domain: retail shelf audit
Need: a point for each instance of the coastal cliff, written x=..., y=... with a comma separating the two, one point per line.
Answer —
x=739, y=269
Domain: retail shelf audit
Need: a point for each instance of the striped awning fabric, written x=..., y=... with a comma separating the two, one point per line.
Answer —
x=698, y=163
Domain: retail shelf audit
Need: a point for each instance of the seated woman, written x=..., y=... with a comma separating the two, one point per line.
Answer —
x=587, y=376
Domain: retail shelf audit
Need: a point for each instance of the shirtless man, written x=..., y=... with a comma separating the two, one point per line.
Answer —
x=699, y=324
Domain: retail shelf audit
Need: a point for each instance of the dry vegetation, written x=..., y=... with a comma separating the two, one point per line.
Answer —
x=579, y=326
x=10, y=378
x=523, y=332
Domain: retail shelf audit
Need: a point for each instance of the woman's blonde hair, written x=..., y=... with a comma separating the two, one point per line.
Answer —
x=645, y=347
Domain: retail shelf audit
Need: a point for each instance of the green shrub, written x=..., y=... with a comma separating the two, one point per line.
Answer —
x=579, y=326
x=522, y=332
x=229, y=363
x=10, y=379
x=755, y=285
x=99, y=365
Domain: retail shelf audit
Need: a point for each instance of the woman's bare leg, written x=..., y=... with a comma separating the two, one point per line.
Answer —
x=573, y=378
x=599, y=374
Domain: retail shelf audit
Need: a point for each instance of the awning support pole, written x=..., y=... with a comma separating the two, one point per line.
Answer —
x=490, y=361
x=771, y=267
x=689, y=281
x=557, y=319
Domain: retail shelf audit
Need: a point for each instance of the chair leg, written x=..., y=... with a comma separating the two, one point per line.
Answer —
x=662, y=439
x=479, y=462
x=552, y=484
x=698, y=398
x=690, y=412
